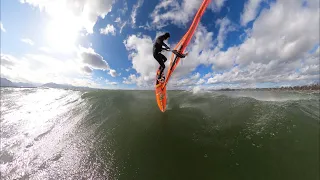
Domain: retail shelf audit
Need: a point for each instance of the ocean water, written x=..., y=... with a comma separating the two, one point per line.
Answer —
x=109, y=134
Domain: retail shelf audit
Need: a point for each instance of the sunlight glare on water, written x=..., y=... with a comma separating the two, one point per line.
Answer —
x=38, y=129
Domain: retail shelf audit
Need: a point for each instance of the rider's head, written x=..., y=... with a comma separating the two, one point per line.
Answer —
x=167, y=35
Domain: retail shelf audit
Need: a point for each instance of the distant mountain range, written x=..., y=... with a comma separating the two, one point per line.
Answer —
x=54, y=85
x=7, y=83
x=63, y=86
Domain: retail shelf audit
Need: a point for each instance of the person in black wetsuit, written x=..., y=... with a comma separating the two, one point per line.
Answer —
x=157, y=48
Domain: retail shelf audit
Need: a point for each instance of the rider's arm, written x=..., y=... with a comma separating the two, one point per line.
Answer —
x=160, y=41
x=164, y=44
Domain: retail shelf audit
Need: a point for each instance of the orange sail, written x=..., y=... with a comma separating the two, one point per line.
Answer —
x=160, y=87
x=184, y=42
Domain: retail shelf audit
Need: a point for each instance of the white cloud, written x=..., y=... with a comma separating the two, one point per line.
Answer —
x=140, y=48
x=286, y=32
x=195, y=76
x=110, y=83
x=122, y=26
x=283, y=35
x=229, y=85
x=75, y=68
x=258, y=73
x=188, y=81
x=217, y=5
x=147, y=26
x=8, y=61
x=124, y=9
x=311, y=70
x=250, y=11
x=108, y=29
x=87, y=69
x=28, y=41
x=225, y=27
x=40, y=68
x=317, y=53
x=81, y=13
x=93, y=59
x=224, y=59
x=196, y=89
x=44, y=68
x=2, y=27
x=132, y=79
x=45, y=49
x=206, y=76
x=280, y=39
x=201, y=81
x=118, y=19
x=90, y=59
x=174, y=13
x=140, y=53
x=135, y=11
x=113, y=73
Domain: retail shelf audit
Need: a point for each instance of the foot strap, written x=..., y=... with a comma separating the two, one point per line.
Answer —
x=178, y=54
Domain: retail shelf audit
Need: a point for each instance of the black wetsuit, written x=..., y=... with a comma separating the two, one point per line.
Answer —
x=157, y=48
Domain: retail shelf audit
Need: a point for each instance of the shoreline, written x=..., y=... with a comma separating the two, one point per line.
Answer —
x=311, y=88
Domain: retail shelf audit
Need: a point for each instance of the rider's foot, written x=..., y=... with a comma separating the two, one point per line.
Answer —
x=161, y=78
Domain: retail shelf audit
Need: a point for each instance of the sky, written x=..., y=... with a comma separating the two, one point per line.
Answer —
x=108, y=43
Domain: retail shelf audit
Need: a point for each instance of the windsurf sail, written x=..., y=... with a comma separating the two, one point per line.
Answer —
x=177, y=53
x=184, y=42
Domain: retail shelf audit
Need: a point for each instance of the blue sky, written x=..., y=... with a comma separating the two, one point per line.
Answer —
x=108, y=44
